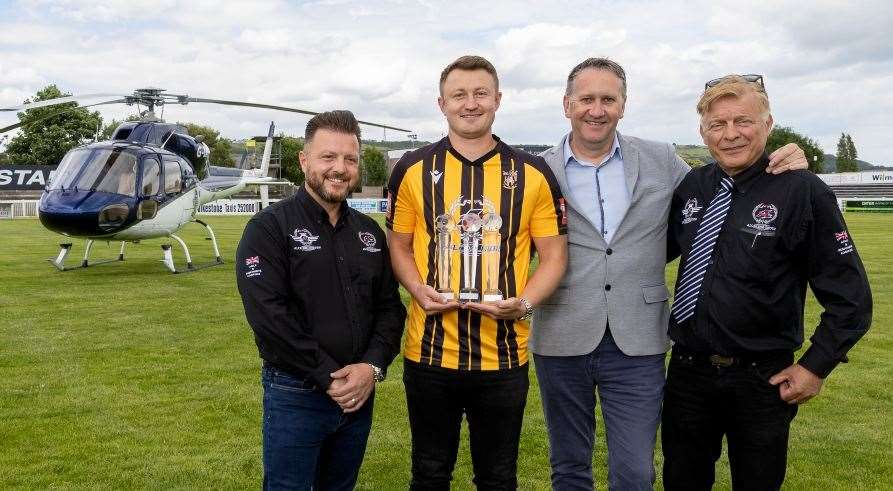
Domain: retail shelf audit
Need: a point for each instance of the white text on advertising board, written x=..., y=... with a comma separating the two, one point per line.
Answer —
x=26, y=177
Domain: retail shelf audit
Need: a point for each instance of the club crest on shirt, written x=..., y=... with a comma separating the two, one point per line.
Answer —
x=436, y=175
x=763, y=215
x=688, y=213
x=843, y=238
x=368, y=240
x=305, y=239
x=510, y=179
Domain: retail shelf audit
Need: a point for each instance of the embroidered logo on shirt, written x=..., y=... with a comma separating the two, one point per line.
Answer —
x=306, y=239
x=843, y=238
x=253, y=264
x=436, y=175
x=369, y=241
x=763, y=214
x=688, y=213
x=510, y=179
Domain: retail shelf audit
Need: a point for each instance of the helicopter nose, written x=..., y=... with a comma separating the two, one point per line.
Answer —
x=84, y=214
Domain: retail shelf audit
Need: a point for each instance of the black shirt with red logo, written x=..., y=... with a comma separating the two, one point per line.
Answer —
x=317, y=296
x=782, y=232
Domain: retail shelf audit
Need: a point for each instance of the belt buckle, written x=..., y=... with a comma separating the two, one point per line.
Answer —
x=721, y=361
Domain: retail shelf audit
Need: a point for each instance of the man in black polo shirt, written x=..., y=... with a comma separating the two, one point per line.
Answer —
x=750, y=242
x=319, y=293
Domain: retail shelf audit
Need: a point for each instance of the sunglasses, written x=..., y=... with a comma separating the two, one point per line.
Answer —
x=750, y=77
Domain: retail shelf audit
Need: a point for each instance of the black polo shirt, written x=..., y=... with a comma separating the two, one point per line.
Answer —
x=318, y=297
x=782, y=232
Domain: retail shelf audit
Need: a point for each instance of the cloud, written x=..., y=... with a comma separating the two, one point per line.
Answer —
x=828, y=65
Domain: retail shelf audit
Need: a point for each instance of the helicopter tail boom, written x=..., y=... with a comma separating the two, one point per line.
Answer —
x=268, y=152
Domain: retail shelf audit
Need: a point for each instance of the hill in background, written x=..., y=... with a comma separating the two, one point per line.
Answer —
x=695, y=152
x=700, y=152
x=830, y=165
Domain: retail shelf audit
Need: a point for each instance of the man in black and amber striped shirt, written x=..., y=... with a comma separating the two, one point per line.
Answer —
x=471, y=358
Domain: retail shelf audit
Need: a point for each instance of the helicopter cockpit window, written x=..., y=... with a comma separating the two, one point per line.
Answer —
x=121, y=175
x=122, y=133
x=173, y=179
x=68, y=169
x=108, y=170
x=151, y=176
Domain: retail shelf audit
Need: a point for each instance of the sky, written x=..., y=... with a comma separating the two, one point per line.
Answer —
x=827, y=65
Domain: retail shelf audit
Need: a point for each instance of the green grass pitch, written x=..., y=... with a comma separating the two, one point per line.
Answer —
x=125, y=376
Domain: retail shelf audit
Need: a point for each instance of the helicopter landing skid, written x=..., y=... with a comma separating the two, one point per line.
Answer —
x=168, y=256
x=59, y=260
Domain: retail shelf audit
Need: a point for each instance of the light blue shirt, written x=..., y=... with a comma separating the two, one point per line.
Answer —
x=599, y=190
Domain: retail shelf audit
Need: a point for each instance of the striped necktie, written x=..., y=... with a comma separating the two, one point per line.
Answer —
x=686, y=298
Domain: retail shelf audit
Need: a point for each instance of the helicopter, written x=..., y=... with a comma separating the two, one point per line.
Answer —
x=147, y=181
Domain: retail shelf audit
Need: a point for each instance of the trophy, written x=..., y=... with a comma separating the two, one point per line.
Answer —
x=490, y=255
x=444, y=226
x=469, y=226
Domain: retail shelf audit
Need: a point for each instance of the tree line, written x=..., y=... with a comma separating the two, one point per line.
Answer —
x=53, y=131
x=781, y=136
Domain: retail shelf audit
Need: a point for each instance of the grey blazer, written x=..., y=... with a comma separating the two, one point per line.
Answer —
x=622, y=281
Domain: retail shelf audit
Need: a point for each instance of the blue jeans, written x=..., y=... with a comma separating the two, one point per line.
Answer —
x=630, y=389
x=309, y=442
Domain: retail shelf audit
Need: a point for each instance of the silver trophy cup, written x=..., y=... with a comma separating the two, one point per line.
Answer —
x=470, y=226
x=444, y=226
x=490, y=256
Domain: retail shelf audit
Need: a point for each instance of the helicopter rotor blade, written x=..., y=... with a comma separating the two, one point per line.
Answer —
x=31, y=121
x=282, y=108
x=61, y=100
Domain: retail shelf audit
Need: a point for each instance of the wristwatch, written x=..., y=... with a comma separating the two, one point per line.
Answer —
x=377, y=373
x=529, y=309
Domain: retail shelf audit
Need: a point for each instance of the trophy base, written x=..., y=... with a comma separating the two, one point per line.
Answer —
x=469, y=295
x=492, y=296
x=447, y=295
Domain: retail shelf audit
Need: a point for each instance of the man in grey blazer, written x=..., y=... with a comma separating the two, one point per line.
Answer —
x=605, y=327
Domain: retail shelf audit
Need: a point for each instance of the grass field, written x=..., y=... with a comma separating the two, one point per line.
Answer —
x=125, y=376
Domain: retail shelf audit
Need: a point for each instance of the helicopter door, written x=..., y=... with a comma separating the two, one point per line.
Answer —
x=173, y=177
x=150, y=187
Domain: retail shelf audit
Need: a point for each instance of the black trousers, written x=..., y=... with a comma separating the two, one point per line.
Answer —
x=703, y=403
x=492, y=401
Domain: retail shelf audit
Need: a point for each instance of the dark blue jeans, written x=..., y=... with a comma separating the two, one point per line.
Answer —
x=630, y=389
x=309, y=442
x=705, y=403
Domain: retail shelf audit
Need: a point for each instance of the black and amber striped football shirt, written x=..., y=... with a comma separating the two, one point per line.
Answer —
x=521, y=188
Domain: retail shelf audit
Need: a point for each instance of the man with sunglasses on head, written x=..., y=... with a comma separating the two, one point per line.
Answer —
x=605, y=327
x=750, y=242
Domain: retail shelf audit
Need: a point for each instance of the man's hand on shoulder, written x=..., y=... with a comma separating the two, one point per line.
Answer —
x=351, y=386
x=788, y=157
x=796, y=384
x=510, y=308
